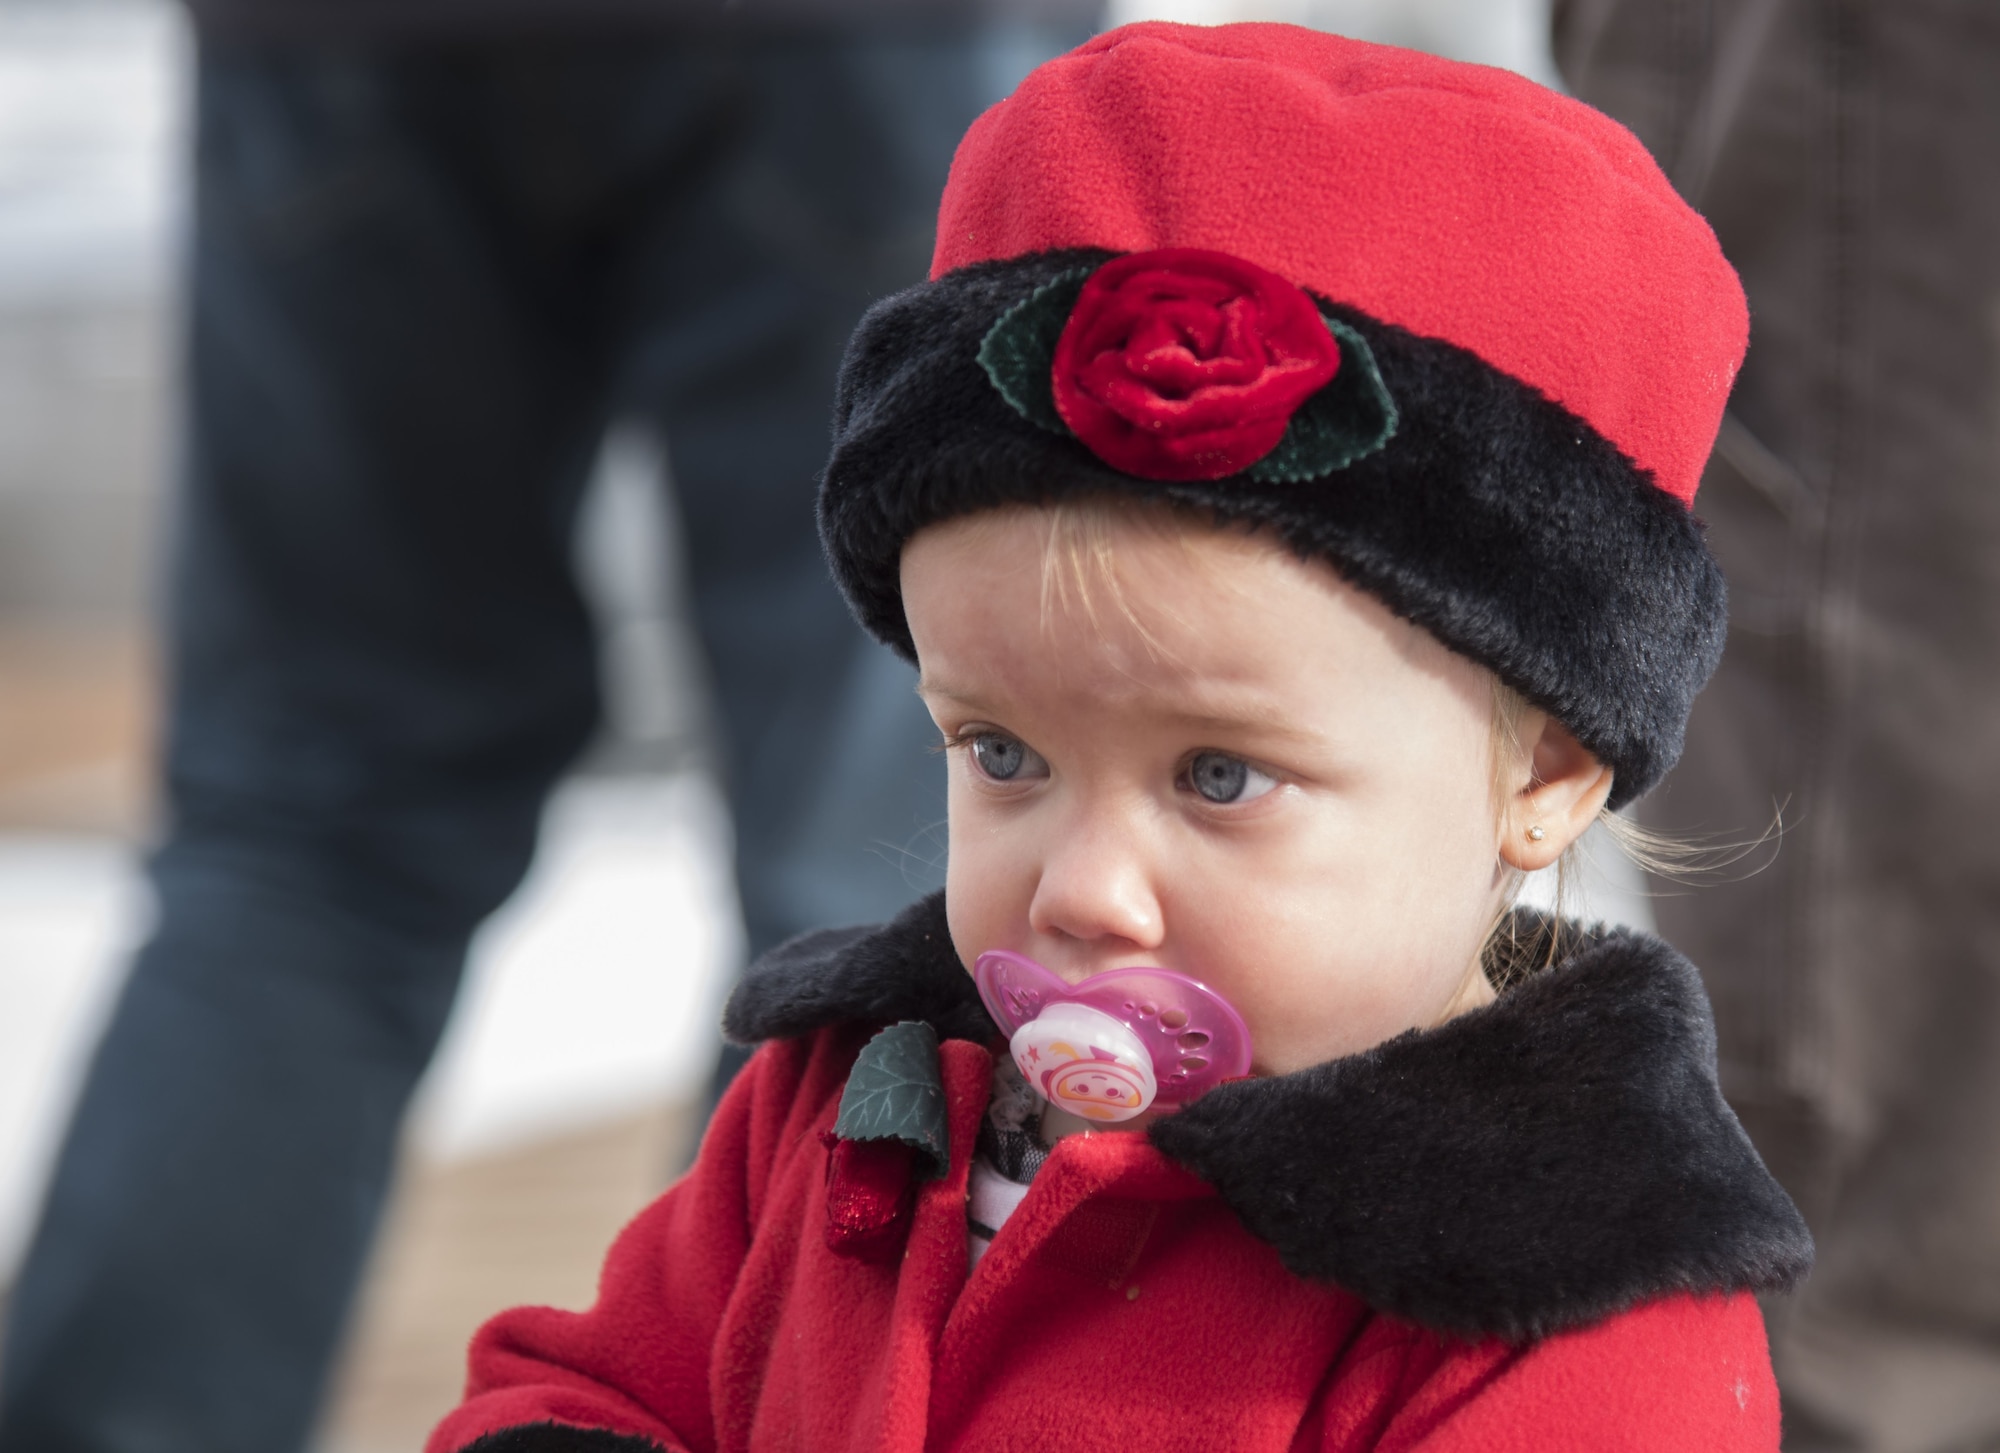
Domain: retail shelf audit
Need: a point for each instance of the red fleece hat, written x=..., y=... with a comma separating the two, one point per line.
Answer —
x=1448, y=330
x=1460, y=202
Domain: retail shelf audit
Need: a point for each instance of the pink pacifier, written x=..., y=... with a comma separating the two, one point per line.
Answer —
x=1119, y=1042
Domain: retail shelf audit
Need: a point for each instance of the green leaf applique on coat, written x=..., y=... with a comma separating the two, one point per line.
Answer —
x=895, y=1092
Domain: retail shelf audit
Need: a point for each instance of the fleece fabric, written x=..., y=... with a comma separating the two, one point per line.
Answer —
x=1133, y=1301
x=1460, y=202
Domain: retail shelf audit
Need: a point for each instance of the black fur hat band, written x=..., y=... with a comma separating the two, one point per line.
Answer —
x=1473, y=505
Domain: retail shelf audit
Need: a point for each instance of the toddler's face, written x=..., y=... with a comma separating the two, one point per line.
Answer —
x=1244, y=769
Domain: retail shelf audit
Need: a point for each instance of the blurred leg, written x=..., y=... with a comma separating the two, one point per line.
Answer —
x=379, y=662
x=827, y=201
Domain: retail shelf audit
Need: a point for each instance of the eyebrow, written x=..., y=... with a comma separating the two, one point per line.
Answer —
x=930, y=686
x=1225, y=715
x=1253, y=715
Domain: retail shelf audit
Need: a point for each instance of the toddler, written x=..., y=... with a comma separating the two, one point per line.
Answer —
x=1283, y=486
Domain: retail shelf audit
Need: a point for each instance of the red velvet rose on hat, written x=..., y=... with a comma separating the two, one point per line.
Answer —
x=1439, y=326
x=1184, y=364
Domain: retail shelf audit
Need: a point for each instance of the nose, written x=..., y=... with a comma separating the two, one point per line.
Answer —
x=1096, y=884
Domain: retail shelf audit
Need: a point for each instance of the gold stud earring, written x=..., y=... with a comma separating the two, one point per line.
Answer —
x=1535, y=833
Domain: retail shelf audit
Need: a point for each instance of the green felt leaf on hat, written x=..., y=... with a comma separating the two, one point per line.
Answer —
x=1018, y=351
x=1349, y=419
x=895, y=1092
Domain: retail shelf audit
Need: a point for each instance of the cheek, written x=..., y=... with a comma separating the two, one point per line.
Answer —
x=988, y=877
x=1435, y=900
x=1364, y=927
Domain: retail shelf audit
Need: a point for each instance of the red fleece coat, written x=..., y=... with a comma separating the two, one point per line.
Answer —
x=1123, y=1305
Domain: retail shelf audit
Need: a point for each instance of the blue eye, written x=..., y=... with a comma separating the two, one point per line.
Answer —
x=1004, y=758
x=1221, y=778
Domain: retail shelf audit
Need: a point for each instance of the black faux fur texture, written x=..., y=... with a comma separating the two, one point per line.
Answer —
x=1535, y=1165
x=905, y=969
x=1532, y=1166
x=560, y=1438
x=1494, y=518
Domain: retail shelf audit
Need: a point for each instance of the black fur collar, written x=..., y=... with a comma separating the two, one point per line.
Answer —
x=1532, y=1166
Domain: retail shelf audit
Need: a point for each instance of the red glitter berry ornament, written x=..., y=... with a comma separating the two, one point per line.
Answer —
x=1184, y=364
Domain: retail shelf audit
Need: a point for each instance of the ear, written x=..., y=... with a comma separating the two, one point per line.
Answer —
x=1561, y=793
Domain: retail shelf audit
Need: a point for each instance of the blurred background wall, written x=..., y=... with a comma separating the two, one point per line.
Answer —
x=560, y=1100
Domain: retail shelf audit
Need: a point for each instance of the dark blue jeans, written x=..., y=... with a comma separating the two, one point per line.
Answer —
x=423, y=281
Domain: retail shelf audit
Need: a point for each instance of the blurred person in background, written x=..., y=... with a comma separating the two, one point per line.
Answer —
x=438, y=246
x=1848, y=155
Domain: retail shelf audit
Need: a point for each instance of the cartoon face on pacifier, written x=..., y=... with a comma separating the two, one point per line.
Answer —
x=1097, y=1092
x=1086, y=1062
x=1118, y=1043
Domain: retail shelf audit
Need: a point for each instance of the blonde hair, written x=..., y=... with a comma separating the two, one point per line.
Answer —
x=1079, y=559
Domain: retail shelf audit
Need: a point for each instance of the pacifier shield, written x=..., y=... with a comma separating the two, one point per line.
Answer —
x=1119, y=1041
